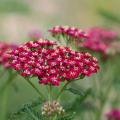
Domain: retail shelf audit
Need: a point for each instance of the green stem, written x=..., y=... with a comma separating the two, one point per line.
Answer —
x=103, y=102
x=2, y=73
x=66, y=84
x=50, y=92
x=4, y=105
x=36, y=89
x=55, y=117
x=5, y=94
x=8, y=82
x=62, y=89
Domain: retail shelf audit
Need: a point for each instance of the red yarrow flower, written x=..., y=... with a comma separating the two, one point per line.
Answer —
x=52, y=64
x=4, y=56
x=70, y=33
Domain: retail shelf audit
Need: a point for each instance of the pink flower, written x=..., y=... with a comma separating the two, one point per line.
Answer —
x=70, y=33
x=99, y=39
x=4, y=56
x=52, y=64
x=114, y=114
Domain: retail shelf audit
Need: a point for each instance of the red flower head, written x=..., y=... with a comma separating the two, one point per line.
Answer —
x=70, y=34
x=114, y=114
x=50, y=63
x=4, y=56
x=99, y=39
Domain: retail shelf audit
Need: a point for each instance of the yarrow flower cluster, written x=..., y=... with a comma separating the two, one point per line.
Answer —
x=99, y=39
x=52, y=64
x=51, y=108
x=114, y=114
x=4, y=56
x=34, y=35
x=71, y=34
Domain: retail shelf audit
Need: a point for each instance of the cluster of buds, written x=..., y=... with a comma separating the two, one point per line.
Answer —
x=52, y=64
x=71, y=34
x=99, y=39
x=4, y=56
x=34, y=35
x=51, y=108
x=114, y=114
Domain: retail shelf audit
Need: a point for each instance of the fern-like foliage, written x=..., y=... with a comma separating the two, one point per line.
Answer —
x=32, y=111
x=28, y=112
x=69, y=116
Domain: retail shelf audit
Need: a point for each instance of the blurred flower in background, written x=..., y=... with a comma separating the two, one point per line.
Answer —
x=4, y=56
x=114, y=114
x=100, y=39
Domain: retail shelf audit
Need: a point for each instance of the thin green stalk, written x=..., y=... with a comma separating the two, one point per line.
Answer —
x=55, y=117
x=8, y=82
x=4, y=105
x=50, y=93
x=36, y=89
x=2, y=73
x=5, y=85
x=5, y=94
x=62, y=89
x=103, y=102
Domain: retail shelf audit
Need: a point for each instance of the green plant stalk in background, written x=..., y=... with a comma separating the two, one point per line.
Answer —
x=36, y=89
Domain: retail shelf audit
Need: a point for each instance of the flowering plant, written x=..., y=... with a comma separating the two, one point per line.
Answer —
x=52, y=64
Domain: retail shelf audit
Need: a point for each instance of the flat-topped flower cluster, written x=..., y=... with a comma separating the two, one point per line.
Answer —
x=51, y=63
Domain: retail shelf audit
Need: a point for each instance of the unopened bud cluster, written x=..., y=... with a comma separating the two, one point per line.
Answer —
x=52, y=108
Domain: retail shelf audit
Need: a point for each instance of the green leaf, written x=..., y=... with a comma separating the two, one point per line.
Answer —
x=80, y=101
x=79, y=91
x=86, y=94
x=75, y=91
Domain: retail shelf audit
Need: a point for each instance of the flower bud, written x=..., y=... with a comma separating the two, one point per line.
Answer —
x=51, y=108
